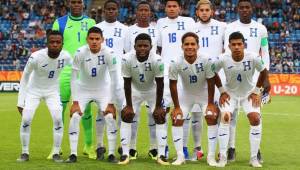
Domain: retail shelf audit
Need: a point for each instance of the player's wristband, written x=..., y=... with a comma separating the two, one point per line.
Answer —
x=222, y=90
x=256, y=90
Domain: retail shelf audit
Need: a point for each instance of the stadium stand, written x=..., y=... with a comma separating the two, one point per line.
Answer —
x=23, y=24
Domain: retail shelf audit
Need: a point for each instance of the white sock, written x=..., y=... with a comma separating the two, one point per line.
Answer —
x=25, y=130
x=177, y=133
x=223, y=136
x=255, y=138
x=74, y=132
x=186, y=131
x=134, y=128
x=197, y=125
x=125, y=132
x=111, y=131
x=58, y=130
x=212, y=134
x=232, y=129
x=152, y=129
x=162, y=138
x=100, y=123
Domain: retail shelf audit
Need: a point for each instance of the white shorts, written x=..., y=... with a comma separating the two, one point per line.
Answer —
x=188, y=102
x=52, y=100
x=244, y=103
x=139, y=97
x=97, y=96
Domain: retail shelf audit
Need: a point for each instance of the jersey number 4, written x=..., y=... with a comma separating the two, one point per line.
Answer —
x=239, y=78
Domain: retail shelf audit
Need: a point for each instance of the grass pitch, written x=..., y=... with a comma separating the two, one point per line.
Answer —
x=280, y=142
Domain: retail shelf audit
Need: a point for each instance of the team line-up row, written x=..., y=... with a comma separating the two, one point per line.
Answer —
x=190, y=55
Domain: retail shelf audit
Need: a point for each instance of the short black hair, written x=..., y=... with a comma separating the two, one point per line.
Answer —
x=50, y=32
x=236, y=35
x=144, y=3
x=110, y=1
x=190, y=34
x=143, y=36
x=178, y=1
x=95, y=30
x=250, y=1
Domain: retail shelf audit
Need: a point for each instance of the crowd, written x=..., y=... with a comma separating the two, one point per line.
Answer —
x=23, y=24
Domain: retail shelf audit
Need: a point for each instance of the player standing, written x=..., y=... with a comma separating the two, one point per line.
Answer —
x=114, y=34
x=142, y=70
x=40, y=81
x=74, y=28
x=256, y=40
x=92, y=63
x=171, y=29
x=239, y=90
x=211, y=37
x=143, y=17
x=193, y=71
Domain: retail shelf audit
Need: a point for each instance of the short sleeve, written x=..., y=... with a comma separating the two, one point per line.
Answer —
x=173, y=71
x=112, y=61
x=259, y=64
x=159, y=69
x=209, y=69
x=125, y=68
x=76, y=61
x=217, y=64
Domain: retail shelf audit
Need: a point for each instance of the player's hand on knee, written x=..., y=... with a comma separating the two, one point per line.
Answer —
x=75, y=108
x=110, y=109
x=211, y=111
x=127, y=114
x=20, y=109
x=177, y=116
x=224, y=98
x=159, y=115
x=256, y=100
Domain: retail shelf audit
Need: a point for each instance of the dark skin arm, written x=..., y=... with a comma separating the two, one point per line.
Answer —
x=177, y=112
x=158, y=51
x=159, y=91
x=224, y=96
x=127, y=89
x=256, y=100
x=211, y=90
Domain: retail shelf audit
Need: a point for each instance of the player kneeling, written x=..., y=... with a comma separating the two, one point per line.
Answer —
x=195, y=72
x=142, y=70
x=239, y=67
x=92, y=64
x=40, y=81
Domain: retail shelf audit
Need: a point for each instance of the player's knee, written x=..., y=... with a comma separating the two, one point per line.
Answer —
x=159, y=118
x=178, y=122
x=127, y=117
x=254, y=118
x=226, y=116
x=211, y=120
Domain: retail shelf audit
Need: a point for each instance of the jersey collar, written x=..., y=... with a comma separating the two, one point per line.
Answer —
x=76, y=18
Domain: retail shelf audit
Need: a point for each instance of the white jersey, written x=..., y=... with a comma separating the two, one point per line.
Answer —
x=193, y=76
x=254, y=34
x=143, y=74
x=135, y=30
x=115, y=36
x=239, y=75
x=170, y=33
x=94, y=68
x=211, y=37
x=41, y=73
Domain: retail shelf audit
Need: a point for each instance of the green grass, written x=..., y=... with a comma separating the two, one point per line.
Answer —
x=280, y=143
